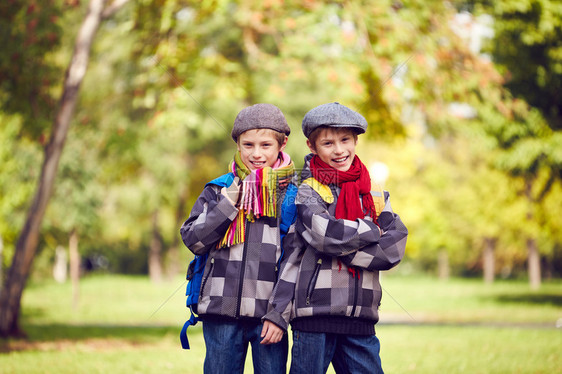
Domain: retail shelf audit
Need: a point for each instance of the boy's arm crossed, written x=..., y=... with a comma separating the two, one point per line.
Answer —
x=326, y=234
x=389, y=250
x=210, y=217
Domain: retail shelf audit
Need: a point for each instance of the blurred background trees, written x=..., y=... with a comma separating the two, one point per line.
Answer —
x=462, y=98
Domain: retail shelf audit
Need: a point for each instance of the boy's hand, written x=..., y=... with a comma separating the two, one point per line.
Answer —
x=233, y=192
x=271, y=333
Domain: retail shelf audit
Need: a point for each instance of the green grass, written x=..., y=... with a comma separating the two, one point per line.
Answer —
x=470, y=301
x=128, y=325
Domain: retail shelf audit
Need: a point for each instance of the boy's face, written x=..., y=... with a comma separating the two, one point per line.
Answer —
x=335, y=147
x=259, y=148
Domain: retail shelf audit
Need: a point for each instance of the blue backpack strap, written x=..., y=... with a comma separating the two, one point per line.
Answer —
x=194, y=277
x=224, y=180
x=288, y=209
x=183, y=334
x=195, y=273
x=288, y=214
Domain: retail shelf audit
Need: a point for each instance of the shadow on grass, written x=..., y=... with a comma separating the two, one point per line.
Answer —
x=37, y=333
x=530, y=298
x=78, y=332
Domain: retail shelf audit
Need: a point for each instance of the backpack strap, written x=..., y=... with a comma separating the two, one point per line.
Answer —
x=287, y=217
x=378, y=198
x=194, y=278
x=321, y=189
x=224, y=180
x=183, y=334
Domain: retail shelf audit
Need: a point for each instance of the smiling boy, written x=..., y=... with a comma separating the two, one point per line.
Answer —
x=239, y=220
x=346, y=237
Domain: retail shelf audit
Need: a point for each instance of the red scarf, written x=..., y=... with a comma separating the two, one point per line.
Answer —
x=354, y=183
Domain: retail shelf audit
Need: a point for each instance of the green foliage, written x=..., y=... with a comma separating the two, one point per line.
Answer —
x=528, y=48
x=29, y=32
x=167, y=78
x=18, y=174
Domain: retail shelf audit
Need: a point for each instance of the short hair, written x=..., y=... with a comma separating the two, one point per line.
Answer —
x=279, y=136
x=313, y=137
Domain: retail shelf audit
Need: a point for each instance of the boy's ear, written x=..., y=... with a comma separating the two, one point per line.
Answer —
x=284, y=144
x=310, y=146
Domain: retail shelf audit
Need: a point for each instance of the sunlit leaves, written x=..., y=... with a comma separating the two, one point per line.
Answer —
x=29, y=32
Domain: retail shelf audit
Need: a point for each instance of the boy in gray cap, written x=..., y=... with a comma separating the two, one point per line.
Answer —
x=239, y=221
x=346, y=234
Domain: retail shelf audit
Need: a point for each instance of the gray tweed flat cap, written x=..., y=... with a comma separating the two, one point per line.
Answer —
x=260, y=116
x=333, y=115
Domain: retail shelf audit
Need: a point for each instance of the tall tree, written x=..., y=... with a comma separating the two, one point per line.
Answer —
x=10, y=299
x=526, y=49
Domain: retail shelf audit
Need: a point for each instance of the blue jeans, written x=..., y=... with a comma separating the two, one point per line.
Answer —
x=227, y=345
x=312, y=353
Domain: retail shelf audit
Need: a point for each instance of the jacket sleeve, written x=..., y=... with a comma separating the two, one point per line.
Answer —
x=281, y=300
x=326, y=234
x=389, y=250
x=210, y=217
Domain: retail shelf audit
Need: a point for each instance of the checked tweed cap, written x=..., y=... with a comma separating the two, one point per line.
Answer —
x=260, y=116
x=333, y=115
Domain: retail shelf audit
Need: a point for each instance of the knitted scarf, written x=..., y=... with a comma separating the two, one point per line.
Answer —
x=354, y=183
x=259, y=194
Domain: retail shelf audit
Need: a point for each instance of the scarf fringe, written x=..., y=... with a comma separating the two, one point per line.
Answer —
x=259, y=196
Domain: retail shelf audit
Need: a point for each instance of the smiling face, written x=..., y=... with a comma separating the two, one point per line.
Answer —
x=260, y=147
x=334, y=146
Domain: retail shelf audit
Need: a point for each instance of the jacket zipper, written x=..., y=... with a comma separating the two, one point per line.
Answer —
x=242, y=271
x=312, y=282
x=355, y=297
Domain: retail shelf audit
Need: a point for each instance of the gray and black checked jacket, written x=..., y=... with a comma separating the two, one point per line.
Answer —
x=238, y=281
x=326, y=296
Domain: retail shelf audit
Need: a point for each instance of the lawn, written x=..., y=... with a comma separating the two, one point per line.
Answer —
x=125, y=324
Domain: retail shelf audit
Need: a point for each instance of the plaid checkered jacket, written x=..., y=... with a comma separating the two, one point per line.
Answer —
x=315, y=281
x=238, y=281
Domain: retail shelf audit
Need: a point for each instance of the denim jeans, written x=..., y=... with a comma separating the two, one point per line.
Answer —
x=312, y=353
x=227, y=345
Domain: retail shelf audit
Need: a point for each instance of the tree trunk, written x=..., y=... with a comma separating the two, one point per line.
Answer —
x=74, y=256
x=60, y=268
x=533, y=264
x=443, y=265
x=155, y=253
x=1, y=263
x=175, y=263
x=533, y=257
x=488, y=259
x=26, y=246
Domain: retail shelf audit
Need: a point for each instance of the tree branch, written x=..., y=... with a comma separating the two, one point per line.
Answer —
x=113, y=8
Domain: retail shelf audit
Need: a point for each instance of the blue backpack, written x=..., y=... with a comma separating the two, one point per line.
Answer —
x=196, y=267
x=194, y=277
